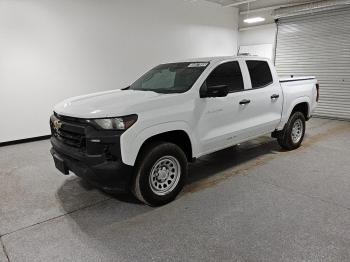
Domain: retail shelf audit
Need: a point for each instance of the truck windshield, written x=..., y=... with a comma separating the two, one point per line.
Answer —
x=170, y=78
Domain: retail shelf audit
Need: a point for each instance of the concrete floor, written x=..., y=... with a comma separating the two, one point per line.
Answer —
x=255, y=203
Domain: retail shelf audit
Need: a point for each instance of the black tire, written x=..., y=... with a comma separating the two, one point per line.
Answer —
x=145, y=186
x=285, y=138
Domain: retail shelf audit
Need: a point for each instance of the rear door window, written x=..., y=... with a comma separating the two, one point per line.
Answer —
x=260, y=73
x=227, y=74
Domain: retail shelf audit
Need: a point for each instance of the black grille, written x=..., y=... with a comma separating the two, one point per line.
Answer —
x=71, y=132
x=70, y=119
x=69, y=138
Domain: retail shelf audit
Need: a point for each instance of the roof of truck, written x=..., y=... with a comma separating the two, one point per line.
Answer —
x=220, y=58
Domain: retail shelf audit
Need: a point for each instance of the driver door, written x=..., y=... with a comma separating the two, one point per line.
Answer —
x=217, y=122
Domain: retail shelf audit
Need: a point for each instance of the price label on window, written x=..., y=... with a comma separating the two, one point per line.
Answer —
x=198, y=65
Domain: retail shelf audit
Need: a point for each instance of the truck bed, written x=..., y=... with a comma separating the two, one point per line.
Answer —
x=294, y=78
x=295, y=89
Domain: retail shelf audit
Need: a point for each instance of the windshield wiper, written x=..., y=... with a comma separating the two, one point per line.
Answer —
x=125, y=88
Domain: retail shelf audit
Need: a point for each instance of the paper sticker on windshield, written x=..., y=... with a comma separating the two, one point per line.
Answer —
x=197, y=64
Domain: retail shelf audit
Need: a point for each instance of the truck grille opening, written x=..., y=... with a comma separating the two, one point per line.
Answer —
x=68, y=138
x=71, y=132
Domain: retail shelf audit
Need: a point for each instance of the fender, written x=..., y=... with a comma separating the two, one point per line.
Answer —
x=287, y=110
x=131, y=142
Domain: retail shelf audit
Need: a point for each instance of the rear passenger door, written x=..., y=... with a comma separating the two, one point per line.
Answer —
x=263, y=112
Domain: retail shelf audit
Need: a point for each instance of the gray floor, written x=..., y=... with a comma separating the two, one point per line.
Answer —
x=255, y=203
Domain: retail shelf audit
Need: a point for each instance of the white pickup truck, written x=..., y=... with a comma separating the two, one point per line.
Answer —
x=142, y=137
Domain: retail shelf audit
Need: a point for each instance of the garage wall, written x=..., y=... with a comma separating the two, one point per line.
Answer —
x=51, y=50
x=319, y=44
x=258, y=35
x=259, y=40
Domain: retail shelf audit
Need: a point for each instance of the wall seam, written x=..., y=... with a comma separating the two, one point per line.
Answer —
x=4, y=249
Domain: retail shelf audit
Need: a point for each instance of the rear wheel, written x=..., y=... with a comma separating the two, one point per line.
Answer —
x=293, y=133
x=160, y=173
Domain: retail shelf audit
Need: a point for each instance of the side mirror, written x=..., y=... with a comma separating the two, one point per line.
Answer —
x=213, y=90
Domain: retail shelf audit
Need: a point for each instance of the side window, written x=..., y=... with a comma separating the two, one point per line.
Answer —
x=260, y=73
x=227, y=74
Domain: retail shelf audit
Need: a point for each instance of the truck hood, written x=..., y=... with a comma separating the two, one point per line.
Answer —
x=106, y=104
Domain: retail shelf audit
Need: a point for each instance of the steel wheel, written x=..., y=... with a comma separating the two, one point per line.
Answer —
x=297, y=131
x=293, y=132
x=165, y=175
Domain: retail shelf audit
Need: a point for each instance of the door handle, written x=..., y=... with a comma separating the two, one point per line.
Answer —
x=275, y=96
x=244, y=102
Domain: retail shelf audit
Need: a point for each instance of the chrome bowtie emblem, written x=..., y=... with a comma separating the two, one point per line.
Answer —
x=57, y=124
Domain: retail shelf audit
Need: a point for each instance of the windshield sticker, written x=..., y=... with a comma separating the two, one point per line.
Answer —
x=197, y=64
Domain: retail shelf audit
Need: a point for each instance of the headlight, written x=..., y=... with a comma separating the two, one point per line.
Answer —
x=117, y=123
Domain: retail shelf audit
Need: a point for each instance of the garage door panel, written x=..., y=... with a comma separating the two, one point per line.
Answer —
x=319, y=44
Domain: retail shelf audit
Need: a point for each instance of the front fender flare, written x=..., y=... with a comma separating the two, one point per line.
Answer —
x=131, y=142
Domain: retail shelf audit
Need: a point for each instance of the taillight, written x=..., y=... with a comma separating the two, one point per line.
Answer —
x=318, y=92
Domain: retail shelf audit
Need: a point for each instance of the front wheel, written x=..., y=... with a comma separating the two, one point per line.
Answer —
x=293, y=133
x=161, y=173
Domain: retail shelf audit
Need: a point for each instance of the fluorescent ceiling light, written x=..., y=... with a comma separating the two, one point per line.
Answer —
x=254, y=20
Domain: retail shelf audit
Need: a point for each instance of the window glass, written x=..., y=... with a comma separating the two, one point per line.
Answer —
x=227, y=74
x=163, y=78
x=260, y=73
x=170, y=78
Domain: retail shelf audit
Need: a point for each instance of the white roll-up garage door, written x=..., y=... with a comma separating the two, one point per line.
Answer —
x=319, y=44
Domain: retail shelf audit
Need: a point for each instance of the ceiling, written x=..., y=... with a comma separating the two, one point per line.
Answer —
x=258, y=8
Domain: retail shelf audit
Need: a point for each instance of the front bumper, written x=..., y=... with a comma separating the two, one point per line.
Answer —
x=99, y=163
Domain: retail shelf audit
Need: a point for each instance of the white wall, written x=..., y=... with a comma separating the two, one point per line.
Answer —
x=258, y=40
x=258, y=35
x=51, y=50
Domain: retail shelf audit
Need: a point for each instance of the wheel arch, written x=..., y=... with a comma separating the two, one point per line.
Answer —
x=302, y=107
x=300, y=104
x=177, y=137
x=175, y=132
